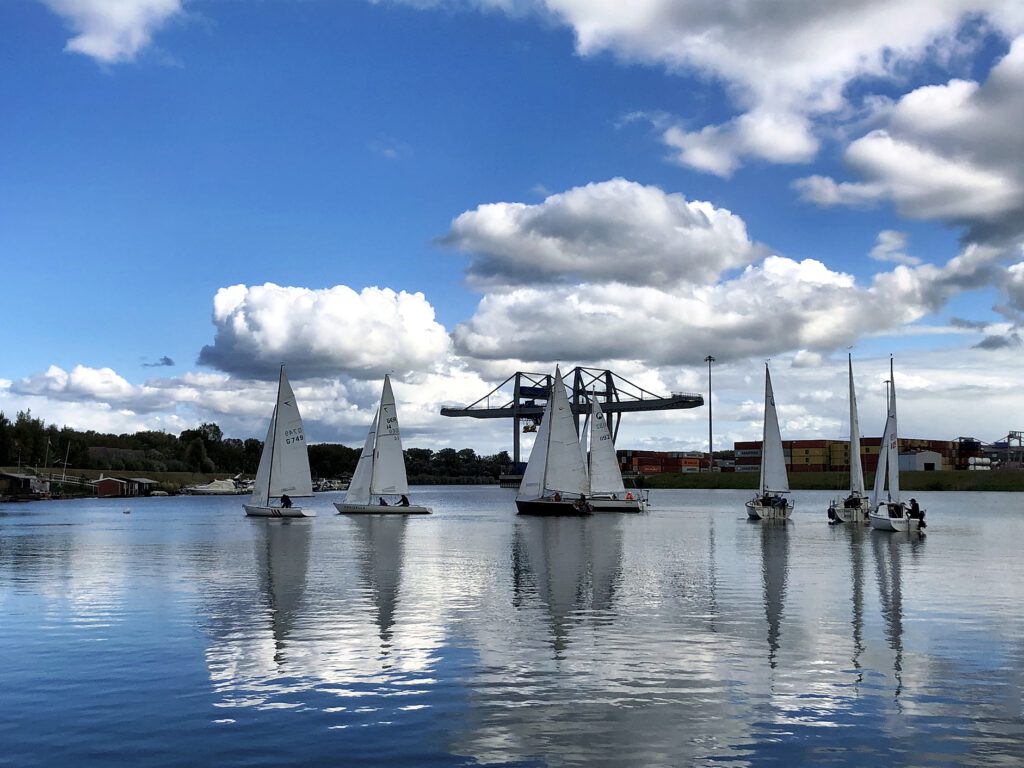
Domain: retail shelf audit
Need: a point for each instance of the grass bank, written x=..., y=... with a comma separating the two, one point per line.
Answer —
x=1002, y=480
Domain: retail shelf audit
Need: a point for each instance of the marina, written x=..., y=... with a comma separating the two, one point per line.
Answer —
x=184, y=633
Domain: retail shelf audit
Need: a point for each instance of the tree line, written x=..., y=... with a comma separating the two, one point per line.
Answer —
x=29, y=443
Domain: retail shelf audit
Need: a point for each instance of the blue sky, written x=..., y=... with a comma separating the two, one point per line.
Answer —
x=226, y=185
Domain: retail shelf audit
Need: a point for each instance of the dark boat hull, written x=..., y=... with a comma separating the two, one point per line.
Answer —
x=550, y=507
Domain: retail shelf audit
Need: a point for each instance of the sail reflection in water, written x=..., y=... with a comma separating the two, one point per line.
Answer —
x=253, y=648
x=340, y=651
x=774, y=571
x=381, y=541
x=571, y=566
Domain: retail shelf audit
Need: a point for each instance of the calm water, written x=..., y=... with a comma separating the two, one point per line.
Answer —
x=186, y=634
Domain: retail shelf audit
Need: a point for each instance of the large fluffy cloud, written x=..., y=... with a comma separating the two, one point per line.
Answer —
x=323, y=332
x=614, y=230
x=953, y=152
x=113, y=31
x=662, y=292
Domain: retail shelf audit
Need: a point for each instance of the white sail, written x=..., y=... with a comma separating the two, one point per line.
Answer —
x=261, y=485
x=605, y=476
x=359, y=488
x=389, y=462
x=856, y=469
x=284, y=463
x=532, y=484
x=773, y=461
x=888, y=453
x=556, y=461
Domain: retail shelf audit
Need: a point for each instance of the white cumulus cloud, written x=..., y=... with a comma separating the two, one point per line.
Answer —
x=113, y=31
x=617, y=230
x=323, y=332
x=953, y=152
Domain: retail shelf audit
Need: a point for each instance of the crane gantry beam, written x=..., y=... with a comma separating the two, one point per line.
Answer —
x=523, y=395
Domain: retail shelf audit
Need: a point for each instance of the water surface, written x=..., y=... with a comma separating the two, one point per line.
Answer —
x=186, y=634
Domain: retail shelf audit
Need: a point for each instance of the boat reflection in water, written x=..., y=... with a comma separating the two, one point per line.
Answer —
x=775, y=572
x=252, y=629
x=382, y=543
x=274, y=647
x=570, y=565
x=888, y=553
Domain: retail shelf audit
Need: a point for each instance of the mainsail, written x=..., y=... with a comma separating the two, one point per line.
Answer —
x=773, y=462
x=284, y=462
x=605, y=476
x=556, y=461
x=381, y=467
x=856, y=469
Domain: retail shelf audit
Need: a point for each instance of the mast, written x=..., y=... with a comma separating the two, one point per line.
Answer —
x=856, y=466
x=273, y=436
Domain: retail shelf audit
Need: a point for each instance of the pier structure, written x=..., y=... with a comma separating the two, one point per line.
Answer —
x=523, y=396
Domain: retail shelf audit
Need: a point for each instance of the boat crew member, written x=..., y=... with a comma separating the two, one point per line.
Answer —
x=404, y=501
x=381, y=502
x=286, y=501
x=558, y=496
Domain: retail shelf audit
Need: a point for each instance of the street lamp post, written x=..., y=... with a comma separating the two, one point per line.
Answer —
x=711, y=454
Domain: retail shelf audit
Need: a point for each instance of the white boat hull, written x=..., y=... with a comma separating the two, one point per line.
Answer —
x=838, y=512
x=758, y=511
x=256, y=510
x=893, y=518
x=602, y=504
x=380, y=509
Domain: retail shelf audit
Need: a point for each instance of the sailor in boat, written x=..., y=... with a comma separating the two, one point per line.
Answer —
x=286, y=501
x=916, y=513
x=581, y=503
x=558, y=496
x=381, y=502
x=404, y=501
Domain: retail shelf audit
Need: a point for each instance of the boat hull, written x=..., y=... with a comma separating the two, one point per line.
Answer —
x=758, y=511
x=893, y=518
x=256, y=510
x=550, y=507
x=617, y=505
x=838, y=512
x=380, y=509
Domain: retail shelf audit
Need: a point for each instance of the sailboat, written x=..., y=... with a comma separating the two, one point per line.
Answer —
x=380, y=472
x=889, y=513
x=856, y=506
x=770, y=504
x=607, y=491
x=283, y=472
x=555, y=481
